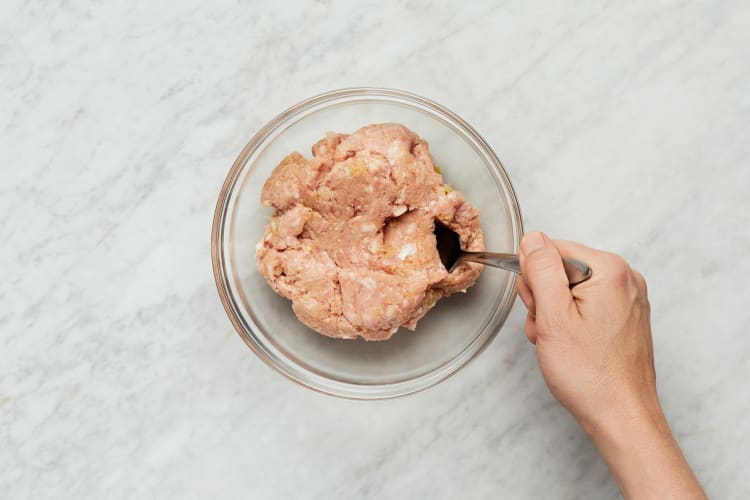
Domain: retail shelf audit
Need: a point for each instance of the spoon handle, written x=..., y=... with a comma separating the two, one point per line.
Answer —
x=577, y=271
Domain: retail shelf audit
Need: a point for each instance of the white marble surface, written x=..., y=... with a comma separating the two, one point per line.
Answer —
x=624, y=125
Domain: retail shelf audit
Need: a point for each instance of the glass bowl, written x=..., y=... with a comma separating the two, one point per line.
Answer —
x=448, y=337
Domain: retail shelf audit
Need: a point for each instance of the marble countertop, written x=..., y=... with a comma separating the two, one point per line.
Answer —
x=622, y=125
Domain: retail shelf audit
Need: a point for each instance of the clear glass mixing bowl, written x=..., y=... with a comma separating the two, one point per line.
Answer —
x=448, y=337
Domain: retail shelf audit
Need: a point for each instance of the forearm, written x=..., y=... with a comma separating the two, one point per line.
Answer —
x=643, y=456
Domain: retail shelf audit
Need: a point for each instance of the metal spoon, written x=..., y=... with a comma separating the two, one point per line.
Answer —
x=452, y=255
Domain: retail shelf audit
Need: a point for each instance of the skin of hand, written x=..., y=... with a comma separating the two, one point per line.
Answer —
x=595, y=352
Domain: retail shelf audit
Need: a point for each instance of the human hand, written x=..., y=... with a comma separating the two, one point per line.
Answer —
x=595, y=352
x=593, y=341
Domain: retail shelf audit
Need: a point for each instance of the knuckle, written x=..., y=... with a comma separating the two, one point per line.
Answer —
x=617, y=262
x=619, y=270
x=640, y=282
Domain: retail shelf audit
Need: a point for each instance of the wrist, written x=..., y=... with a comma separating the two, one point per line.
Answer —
x=636, y=443
x=633, y=415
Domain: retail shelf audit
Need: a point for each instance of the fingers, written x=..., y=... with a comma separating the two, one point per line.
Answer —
x=594, y=258
x=542, y=270
x=528, y=299
x=606, y=267
x=531, y=332
x=526, y=296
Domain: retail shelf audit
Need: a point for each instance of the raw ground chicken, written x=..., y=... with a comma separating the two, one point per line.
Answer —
x=352, y=244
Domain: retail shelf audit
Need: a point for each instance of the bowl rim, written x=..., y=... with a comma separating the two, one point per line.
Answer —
x=339, y=388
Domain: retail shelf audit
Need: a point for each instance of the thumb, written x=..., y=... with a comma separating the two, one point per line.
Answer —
x=542, y=269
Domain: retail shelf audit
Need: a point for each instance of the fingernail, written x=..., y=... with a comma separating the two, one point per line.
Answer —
x=531, y=243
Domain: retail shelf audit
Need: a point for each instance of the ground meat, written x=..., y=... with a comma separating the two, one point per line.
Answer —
x=352, y=244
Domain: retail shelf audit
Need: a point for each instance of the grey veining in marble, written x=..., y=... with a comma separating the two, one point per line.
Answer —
x=622, y=124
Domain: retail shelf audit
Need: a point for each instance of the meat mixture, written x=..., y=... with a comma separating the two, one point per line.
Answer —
x=351, y=243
